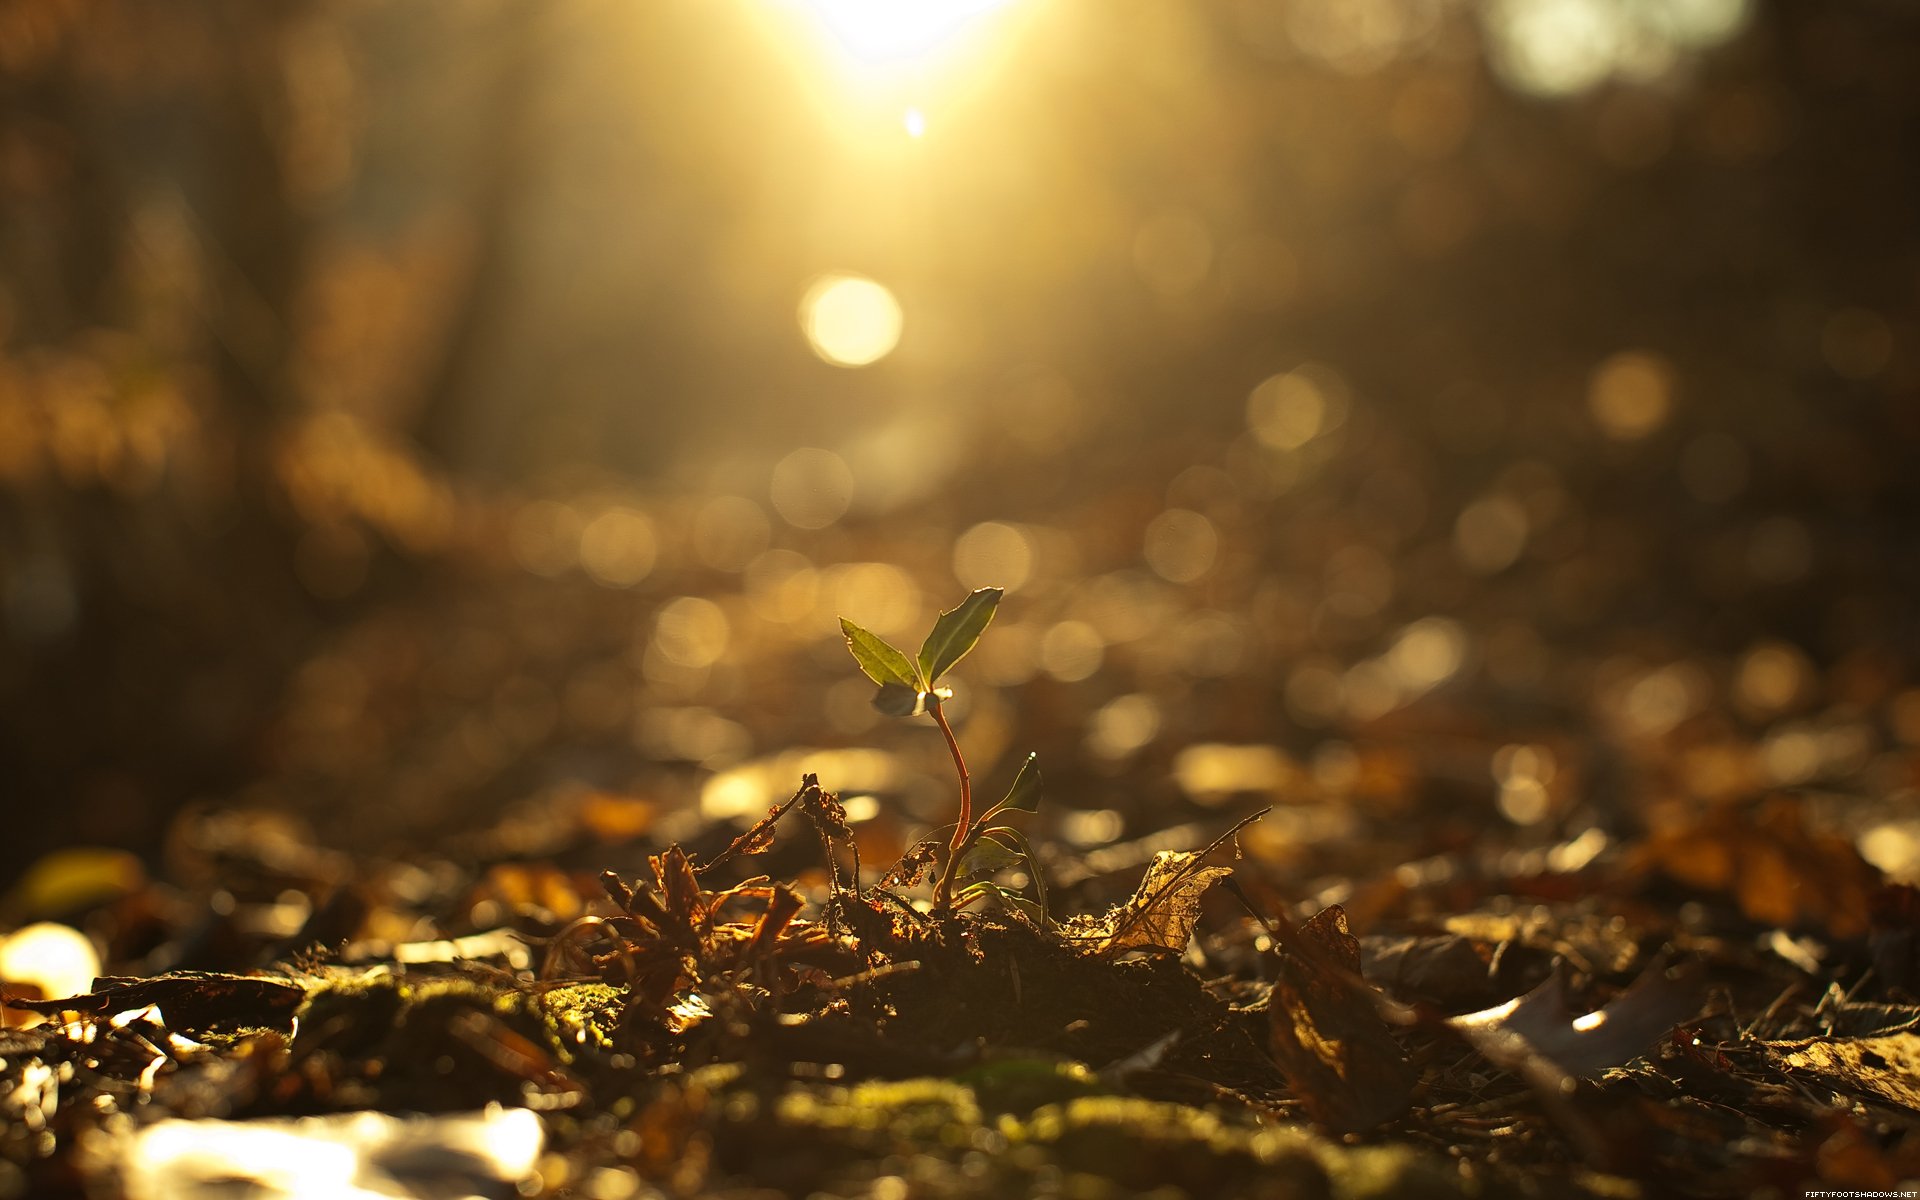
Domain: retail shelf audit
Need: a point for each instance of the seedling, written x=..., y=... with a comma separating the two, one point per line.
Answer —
x=910, y=687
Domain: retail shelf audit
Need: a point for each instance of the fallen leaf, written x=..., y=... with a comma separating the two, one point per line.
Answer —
x=1884, y=1067
x=1540, y=1025
x=1327, y=1035
x=1160, y=915
x=1779, y=871
x=1443, y=969
x=191, y=1000
x=912, y=867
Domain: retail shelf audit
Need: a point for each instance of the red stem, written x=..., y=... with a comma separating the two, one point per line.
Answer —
x=960, y=766
x=943, y=890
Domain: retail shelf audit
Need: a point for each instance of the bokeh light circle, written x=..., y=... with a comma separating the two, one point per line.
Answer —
x=849, y=320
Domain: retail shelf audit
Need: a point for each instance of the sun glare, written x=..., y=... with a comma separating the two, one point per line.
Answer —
x=878, y=32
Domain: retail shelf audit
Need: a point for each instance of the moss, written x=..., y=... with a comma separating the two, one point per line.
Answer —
x=418, y=1037
x=1017, y=1086
x=580, y=1017
x=1394, y=1173
x=1150, y=1143
x=907, y=1113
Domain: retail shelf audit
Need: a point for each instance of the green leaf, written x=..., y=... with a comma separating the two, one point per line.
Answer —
x=1024, y=795
x=989, y=857
x=1013, y=900
x=896, y=700
x=1016, y=841
x=879, y=659
x=956, y=632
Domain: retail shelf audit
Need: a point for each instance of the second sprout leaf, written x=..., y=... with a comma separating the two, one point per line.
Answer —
x=989, y=856
x=1024, y=795
x=1013, y=900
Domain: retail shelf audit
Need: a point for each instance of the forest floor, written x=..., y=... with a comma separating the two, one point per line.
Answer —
x=706, y=1031
x=1560, y=917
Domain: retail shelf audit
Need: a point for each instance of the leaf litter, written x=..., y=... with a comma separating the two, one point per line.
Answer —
x=1604, y=1014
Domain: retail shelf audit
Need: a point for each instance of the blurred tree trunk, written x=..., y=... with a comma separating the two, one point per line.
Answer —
x=168, y=622
x=443, y=422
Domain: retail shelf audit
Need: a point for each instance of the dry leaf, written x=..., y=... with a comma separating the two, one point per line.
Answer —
x=912, y=867
x=1327, y=1035
x=1778, y=870
x=1884, y=1067
x=1162, y=913
x=1443, y=969
x=191, y=1000
x=1542, y=1026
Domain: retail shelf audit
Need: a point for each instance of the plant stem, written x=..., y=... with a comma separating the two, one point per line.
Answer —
x=943, y=890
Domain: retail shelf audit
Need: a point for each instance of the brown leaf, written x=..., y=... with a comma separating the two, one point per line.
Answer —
x=1541, y=1025
x=826, y=812
x=1327, y=1036
x=1444, y=969
x=189, y=1000
x=1777, y=869
x=1162, y=913
x=1887, y=1068
x=913, y=865
x=783, y=904
x=759, y=839
x=685, y=901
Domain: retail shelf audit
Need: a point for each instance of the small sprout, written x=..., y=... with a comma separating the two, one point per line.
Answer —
x=909, y=687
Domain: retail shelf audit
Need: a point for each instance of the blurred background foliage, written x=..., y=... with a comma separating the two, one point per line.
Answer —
x=415, y=413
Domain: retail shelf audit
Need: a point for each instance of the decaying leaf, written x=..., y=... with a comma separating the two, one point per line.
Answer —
x=759, y=839
x=1887, y=1068
x=826, y=812
x=190, y=1000
x=783, y=904
x=913, y=865
x=1327, y=1036
x=1162, y=913
x=1443, y=969
x=1541, y=1025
